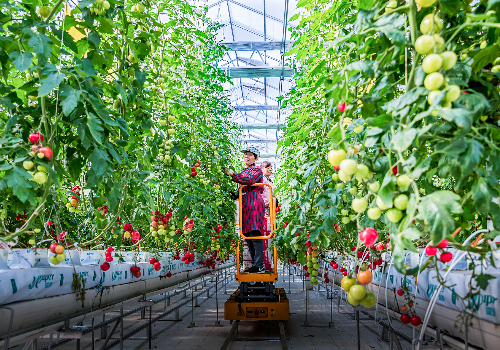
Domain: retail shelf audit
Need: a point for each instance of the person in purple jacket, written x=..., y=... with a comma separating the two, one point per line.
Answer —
x=253, y=206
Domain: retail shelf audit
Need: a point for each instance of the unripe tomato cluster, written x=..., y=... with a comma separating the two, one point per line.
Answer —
x=58, y=251
x=312, y=265
x=356, y=291
x=99, y=7
x=40, y=175
x=74, y=201
x=159, y=225
x=164, y=152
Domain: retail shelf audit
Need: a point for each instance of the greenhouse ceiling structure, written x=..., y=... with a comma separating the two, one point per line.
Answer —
x=256, y=32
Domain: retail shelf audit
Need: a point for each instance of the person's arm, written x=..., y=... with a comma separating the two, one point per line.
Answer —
x=247, y=176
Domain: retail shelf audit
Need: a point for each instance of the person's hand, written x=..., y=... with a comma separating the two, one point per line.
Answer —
x=228, y=171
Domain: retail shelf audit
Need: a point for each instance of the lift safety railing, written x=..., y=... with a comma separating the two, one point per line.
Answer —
x=272, y=217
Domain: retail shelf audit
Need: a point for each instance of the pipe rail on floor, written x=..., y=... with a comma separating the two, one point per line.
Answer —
x=84, y=330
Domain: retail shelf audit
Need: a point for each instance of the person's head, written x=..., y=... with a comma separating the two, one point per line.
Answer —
x=267, y=168
x=251, y=154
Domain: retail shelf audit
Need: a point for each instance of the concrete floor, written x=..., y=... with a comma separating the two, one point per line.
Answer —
x=180, y=336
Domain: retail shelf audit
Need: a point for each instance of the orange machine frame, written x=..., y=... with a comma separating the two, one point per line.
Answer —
x=254, y=277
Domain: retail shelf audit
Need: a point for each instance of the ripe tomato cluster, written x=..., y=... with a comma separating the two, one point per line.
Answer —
x=58, y=251
x=156, y=264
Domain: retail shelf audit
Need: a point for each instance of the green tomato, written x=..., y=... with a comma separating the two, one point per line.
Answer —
x=345, y=220
x=348, y=166
x=369, y=300
x=61, y=257
x=432, y=63
x=425, y=3
x=344, y=212
x=362, y=171
x=314, y=260
x=45, y=11
x=431, y=23
x=452, y=93
x=484, y=118
x=347, y=282
x=401, y=202
x=41, y=168
x=394, y=215
x=340, y=186
x=449, y=59
x=374, y=186
x=314, y=279
x=105, y=5
x=438, y=39
x=163, y=122
x=359, y=204
x=433, y=81
x=309, y=258
x=314, y=273
x=31, y=242
x=315, y=266
x=424, y=44
x=391, y=6
x=403, y=181
x=352, y=301
x=432, y=95
x=309, y=264
x=336, y=156
x=40, y=178
x=381, y=204
x=374, y=213
x=343, y=176
x=335, y=177
x=483, y=45
x=37, y=230
x=28, y=164
x=358, y=129
x=495, y=69
x=353, y=190
x=53, y=260
x=358, y=291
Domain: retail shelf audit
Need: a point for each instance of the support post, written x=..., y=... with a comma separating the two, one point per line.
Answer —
x=104, y=328
x=121, y=327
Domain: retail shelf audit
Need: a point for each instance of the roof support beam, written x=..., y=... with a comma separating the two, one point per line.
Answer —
x=257, y=108
x=261, y=126
x=256, y=72
x=260, y=141
x=257, y=45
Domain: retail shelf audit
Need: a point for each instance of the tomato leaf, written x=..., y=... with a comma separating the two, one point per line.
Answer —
x=69, y=99
x=40, y=44
x=17, y=179
x=21, y=61
x=403, y=139
x=363, y=67
x=436, y=210
x=460, y=116
x=450, y=7
x=386, y=192
x=483, y=280
x=50, y=83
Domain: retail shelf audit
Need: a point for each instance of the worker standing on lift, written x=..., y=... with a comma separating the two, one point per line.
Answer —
x=253, y=206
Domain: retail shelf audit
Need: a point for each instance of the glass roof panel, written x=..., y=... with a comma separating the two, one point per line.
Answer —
x=254, y=21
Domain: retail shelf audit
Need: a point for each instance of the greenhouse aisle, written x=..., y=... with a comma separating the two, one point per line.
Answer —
x=180, y=336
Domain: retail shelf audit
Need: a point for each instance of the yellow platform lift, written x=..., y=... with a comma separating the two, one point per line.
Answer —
x=257, y=298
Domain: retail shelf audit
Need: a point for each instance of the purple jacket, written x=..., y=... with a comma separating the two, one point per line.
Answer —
x=253, y=204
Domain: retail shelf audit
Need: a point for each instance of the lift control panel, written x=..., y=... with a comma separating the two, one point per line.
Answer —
x=256, y=312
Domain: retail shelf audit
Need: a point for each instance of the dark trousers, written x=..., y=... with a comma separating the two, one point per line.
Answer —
x=256, y=248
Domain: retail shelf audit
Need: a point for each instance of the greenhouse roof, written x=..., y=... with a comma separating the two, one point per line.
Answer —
x=254, y=32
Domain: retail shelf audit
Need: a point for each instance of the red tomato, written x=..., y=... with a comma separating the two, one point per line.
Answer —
x=400, y=292
x=415, y=320
x=405, y=318
x=341, y=106
x=431, y=251
x=443, y=244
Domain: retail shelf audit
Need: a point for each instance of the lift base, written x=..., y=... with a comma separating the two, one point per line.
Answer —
x=258, y=310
